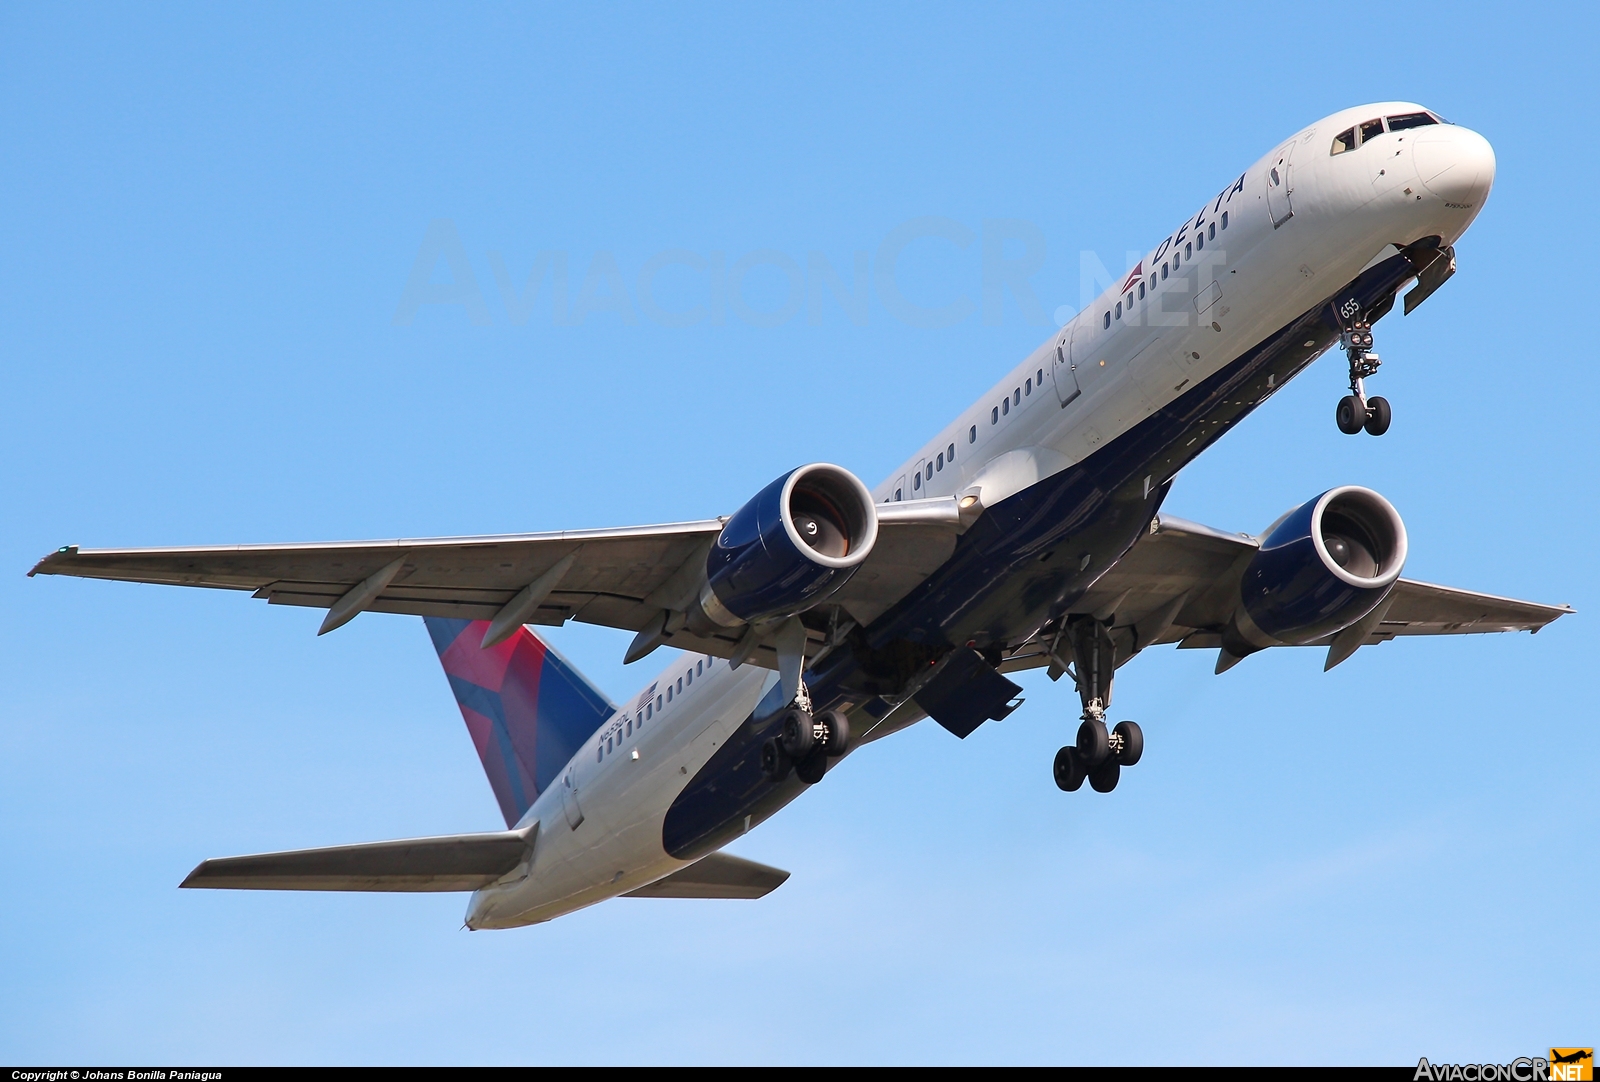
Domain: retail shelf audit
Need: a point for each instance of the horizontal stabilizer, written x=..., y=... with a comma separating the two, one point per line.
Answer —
x=720, y=875
x=450, y=862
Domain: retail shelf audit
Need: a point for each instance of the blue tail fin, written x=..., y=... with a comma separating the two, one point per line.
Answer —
x=527, y=709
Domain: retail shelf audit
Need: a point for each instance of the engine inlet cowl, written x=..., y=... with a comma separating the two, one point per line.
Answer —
x=1321, y=567
x=796, y=542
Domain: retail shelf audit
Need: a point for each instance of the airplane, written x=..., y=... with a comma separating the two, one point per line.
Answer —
x=823, y=615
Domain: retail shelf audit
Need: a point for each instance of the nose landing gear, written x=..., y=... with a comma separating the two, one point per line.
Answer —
x=1356, y=411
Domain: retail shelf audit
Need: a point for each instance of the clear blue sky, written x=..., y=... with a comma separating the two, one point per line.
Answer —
x=208, y=218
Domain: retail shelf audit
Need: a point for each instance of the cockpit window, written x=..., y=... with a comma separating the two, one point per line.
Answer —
x=1345, y=140
x=1410, y=120
x=1371, y=129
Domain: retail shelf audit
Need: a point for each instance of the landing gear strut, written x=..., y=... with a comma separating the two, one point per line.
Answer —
x=1098, y=755
x=1357, y=411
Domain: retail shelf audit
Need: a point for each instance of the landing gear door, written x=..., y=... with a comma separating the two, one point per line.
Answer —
x=1280, y=186
x=1063, y=370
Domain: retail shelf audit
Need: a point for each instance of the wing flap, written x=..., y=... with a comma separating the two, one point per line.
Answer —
x=720, y=875
x=613, y=579
x=1421, y=608
x=1175, y=558
x=451, y=862
x=1201, y=566
x=464, y=577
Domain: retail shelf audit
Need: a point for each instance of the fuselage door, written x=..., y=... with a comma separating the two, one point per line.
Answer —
x=1061, y=367
x=569, y=801
x=1280, y=186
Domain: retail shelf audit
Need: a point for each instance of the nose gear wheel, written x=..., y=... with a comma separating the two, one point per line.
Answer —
x=1356, y=411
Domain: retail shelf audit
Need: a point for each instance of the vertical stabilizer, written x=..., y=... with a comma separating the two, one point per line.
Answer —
x=527, y=708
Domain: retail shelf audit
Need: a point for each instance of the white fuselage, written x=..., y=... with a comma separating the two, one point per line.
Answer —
x=1290, y=239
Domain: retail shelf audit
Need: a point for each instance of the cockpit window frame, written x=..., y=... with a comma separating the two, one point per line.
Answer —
x=1421, y=119
x=1356, y=136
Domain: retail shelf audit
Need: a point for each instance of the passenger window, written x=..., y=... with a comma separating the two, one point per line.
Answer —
x=1200, y=241
x=688, y=678
x=1163, y=270
x=629, y=729
x=916, y=482
x=899, y=494
x=1212, y=231
x=972, y=434
x=1141, y=291
x=680, y=685
x=1039, y=377
x=1028, y=386
x=994, y=416
x=940, y=460
x=1016, y=397
x=950, y=452
x=638, y=720
x=1152, y=279
x=1371, y=129
x=608, y=745
x=1005, y=405
x=599, y=752
x=1345, y=140
x=1188, y=251
x=930, y=471
x=1410, y=120
x=658, y=702
x=669, y=693
x=1224, y=219
x=1108, y=320
x=697, y=666
x=1119, y=309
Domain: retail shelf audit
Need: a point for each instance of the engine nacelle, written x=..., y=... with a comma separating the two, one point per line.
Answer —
x=789, y=548
x=1321, y=567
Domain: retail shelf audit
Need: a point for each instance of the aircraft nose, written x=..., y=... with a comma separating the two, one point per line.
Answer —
x=1454, y=163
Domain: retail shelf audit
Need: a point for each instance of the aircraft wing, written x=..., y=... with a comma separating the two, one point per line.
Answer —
x=623, y=578
x=1180, y=581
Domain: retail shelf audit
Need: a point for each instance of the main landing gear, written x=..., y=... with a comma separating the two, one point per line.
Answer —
x=1099, y=754
x=804, y=744
x=1357, y=411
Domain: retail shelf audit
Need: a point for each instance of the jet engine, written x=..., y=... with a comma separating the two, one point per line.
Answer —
x=789, y=548
x=1321, y=567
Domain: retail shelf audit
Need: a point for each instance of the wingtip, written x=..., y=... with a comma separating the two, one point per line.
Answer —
x=42, y=565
